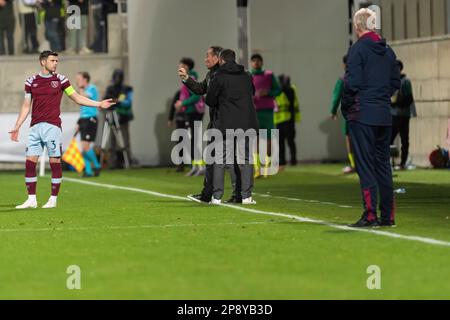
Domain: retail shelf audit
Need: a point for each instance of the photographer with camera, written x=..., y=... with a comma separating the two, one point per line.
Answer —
x=123, y=94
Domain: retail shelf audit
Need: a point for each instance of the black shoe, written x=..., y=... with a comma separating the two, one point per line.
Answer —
x=384, y=223
x=85, y=175
x=180, y=169
x=97, y=172
x=199, y=198
x=364, y=223
x=234, y=200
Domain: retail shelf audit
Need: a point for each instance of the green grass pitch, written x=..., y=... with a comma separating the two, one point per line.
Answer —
x=134, y=244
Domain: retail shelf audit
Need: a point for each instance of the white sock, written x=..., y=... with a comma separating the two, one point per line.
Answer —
x=32, y=197
x=53, y=198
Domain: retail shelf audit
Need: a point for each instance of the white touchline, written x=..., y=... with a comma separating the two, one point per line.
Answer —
x=315, y=201
x=275, y=214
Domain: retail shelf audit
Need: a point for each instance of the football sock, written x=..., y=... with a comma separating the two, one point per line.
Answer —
x=93, y=157
x=351, y=158
x=56, y=178
x=30, y=177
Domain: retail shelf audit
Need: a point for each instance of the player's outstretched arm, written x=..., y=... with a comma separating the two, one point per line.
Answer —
x=84, y=101
x=24, y=112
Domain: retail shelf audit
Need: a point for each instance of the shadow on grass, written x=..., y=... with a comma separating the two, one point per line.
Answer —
x=8, y=205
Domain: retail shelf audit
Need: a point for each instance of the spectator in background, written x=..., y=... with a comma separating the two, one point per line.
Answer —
x=78, y=37
x=193, y=107
x=403, y=108
x=27, y=12
x=177, y=120
x=266, y=89
x=7, y=26
x=53, y=13
x=99, y=9
x=124, y=96
x=335, y=102
x=286, y=115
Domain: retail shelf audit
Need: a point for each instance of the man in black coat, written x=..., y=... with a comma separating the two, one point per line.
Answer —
x=230, y=94
x=201, y=88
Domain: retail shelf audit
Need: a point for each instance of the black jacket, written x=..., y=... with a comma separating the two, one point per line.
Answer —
x=114, y=92
x=52, y=9
x=372, y=77
x=201, y=88
x=231, y=92
x=7, y=15
x=84, y=6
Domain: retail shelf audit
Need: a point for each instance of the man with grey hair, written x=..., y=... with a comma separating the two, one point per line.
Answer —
x=372, y=77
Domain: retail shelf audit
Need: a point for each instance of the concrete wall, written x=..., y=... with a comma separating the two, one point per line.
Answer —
x=160, y=33
x=303, y=38
x=427, y=65
x=409, y=19
x=306, y=39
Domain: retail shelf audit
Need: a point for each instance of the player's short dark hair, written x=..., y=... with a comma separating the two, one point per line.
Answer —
x=45, y=54
x=256, y=56
x=400, y=64
x=228, y=55
x=189, y=62
x=85, y=75
x=216, y=50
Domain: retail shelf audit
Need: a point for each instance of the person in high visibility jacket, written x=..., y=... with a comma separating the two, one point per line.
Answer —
x=285, y=117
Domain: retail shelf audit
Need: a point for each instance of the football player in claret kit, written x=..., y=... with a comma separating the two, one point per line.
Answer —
x=43, y=94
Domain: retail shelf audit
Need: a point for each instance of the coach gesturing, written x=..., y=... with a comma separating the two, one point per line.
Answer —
x=230, y=94
x=371, y=78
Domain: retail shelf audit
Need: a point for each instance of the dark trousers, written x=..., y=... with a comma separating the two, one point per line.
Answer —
x=192, y=118
x=241, y=174
x=30, y=32
x=287, y=135
x=53, y=35
x=7, y=31
x=99, y=44
x=208, y=181
x=400, y=125
x=371, y=147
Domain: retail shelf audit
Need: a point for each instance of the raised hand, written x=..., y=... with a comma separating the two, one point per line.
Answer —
x=182, y=72
x=108, y=103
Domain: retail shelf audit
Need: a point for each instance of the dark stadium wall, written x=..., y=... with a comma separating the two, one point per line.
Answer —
x=303, y=38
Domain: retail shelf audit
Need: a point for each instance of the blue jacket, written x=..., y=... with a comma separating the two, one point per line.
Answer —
x=371, y=78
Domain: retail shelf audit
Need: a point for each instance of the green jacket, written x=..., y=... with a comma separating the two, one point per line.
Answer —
x=283, y=113
x=190, y=102
x=337, y=96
